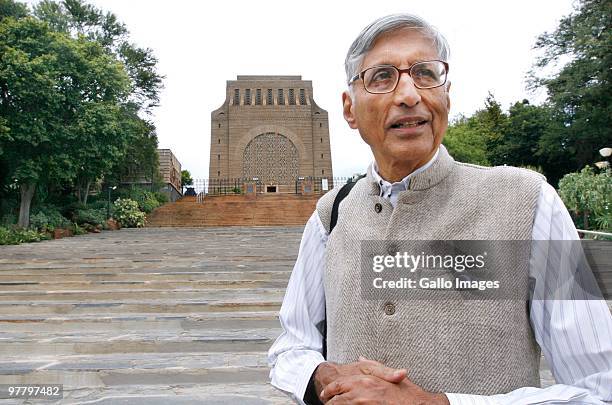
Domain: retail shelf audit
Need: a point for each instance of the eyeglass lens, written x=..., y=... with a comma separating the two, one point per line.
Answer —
x=382, y=79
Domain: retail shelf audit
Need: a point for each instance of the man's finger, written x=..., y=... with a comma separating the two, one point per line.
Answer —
x=333, y=388
x=361, y=358
x=339, y=400
x=381, y=371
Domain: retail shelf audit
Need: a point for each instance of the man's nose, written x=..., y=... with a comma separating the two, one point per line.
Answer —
x=406, y=92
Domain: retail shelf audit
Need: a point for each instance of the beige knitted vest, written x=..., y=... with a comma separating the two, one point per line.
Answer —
x=463, y=346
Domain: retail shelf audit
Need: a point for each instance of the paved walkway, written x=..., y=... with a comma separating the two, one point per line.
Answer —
x=149, y=316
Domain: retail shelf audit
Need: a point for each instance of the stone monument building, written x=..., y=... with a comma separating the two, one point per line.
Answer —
x=270, y=129
x=170, y=171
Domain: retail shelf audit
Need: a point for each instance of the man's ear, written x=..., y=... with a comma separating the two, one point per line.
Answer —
x=347, y=104
x=448, y=102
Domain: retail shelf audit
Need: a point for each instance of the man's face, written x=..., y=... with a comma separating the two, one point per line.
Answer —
x=422, y=114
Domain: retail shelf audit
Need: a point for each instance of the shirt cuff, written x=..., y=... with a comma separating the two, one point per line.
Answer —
x=304, y=378
x=465, y=399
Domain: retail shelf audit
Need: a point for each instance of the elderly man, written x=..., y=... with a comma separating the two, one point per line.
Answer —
x=424, y=351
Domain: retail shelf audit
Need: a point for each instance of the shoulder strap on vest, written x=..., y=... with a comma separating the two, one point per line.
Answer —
x=344, y=191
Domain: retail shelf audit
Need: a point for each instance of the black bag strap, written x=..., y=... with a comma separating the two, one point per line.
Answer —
x=310, y=396
x=344, y=191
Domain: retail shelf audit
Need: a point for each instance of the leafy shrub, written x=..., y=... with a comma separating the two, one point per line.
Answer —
x=90, y=216
x=161, y=198
x=48, y=219
x=10, y=236
x=127, y=213
x=147, y=200
x=40, y=221
x=98, y=205
x=8, y=219
x=589, y=197
x=77, y=230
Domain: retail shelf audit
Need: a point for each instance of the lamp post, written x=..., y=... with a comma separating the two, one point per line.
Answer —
x=109, y=198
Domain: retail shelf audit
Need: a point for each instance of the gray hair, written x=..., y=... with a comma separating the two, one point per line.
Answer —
x=366, y=38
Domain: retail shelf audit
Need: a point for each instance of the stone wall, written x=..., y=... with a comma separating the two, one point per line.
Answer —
x=275, y=106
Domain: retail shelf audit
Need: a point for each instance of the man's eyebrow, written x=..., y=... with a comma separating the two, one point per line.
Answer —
x=386, y=62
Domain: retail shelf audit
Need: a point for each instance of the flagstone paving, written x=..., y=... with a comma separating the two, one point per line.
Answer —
x=148, y=316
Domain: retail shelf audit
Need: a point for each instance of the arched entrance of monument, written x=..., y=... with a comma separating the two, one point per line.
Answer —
x=273, y=159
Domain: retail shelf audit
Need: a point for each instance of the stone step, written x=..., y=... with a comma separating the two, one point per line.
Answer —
x=137, y=368
x=151, y=307
x=207, y=318
x=141, y=361
x=154, y=266
x=237, y=332
x=109, y=295
x=147, y=316
x=235, y=210
x=154, y=275
x=16, y=345
x=177, y=394
x=130, y=325
x=21, y=287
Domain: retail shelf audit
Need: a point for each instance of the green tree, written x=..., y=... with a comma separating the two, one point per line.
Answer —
x=492, y=122
x=49, y=83
x=579, y=91
x=477, y=138
x=102, y=140
x=140, y=160
x=466, y=141
x=186, y=179
x=10, y=8
x=76, y=17
x=519, y=143
x=589, y=197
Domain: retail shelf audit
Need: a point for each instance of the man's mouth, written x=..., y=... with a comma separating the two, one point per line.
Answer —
x=409, y=124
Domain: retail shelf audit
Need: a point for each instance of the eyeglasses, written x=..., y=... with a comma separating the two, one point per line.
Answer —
x=384, y=78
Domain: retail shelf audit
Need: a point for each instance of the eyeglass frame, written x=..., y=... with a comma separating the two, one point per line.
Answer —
x=361, y=74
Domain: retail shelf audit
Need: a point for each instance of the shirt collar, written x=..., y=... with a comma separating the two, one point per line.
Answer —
x=387, y=188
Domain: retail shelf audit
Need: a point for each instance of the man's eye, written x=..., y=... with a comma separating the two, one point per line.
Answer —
x=426, y=73
x=381, y=75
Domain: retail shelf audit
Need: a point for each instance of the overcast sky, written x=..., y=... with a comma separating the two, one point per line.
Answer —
x=201, y=44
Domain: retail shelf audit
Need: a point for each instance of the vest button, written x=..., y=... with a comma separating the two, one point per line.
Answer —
x=378, y=207
x=389, y=308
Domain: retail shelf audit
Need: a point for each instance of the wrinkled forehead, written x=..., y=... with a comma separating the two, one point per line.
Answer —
x=400, y=46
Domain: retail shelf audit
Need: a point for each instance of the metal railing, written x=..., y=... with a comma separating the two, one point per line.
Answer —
x=595, y=233
x=231, y=186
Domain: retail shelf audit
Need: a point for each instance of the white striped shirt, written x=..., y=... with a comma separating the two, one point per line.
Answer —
x=575, y=336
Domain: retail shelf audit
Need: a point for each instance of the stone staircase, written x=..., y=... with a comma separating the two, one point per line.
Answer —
x=149, y=316
x=235, y=210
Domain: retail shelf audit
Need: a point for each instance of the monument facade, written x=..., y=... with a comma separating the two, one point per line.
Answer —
x=270, y=129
